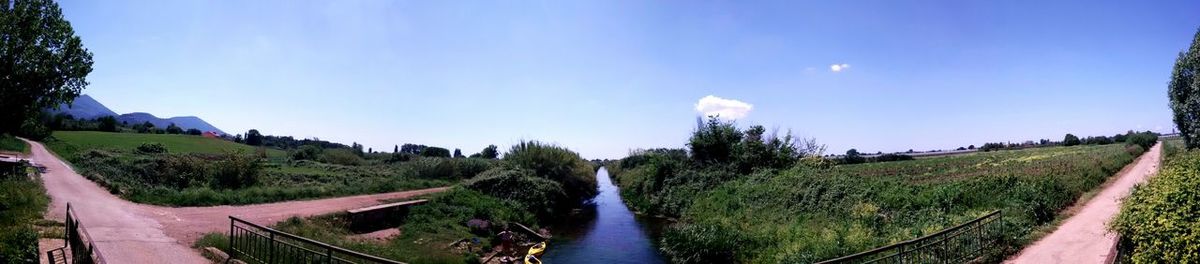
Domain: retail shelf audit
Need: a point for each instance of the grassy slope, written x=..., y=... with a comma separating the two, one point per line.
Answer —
x=10, y=143
x=70, y=142
x=810, y=215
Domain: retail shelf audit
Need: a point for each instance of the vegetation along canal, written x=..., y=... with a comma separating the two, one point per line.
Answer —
x=612, y=234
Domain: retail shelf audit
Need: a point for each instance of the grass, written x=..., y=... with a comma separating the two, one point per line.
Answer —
x=424, y=235
x=804, y=214
x=22, y=202
x=1158, y=219
x=190, y=172
x=12, y=144
x=69, y=143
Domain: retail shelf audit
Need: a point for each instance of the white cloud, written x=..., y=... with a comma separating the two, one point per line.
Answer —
x=839, y=67
x=725, y=108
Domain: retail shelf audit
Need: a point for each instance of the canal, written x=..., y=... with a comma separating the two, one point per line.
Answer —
x=607, y=232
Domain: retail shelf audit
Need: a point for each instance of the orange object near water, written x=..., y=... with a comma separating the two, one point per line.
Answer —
x=538, y=249
x=531, y=259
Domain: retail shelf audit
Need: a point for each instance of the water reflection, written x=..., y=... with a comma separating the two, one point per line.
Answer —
x=605, y=232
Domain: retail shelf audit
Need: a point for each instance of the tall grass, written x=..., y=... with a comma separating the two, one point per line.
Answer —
x=22, y=202
x=11, y=143
x=806, y=214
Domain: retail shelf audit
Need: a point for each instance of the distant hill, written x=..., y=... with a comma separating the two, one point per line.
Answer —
x=185, y=122
x=86, y=107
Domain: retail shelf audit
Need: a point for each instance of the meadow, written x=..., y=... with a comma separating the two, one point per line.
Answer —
x=814, y=211
x=187, y=170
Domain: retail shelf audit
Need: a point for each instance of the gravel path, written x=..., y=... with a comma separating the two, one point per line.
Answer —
x=1084, y=238
x=127, y=232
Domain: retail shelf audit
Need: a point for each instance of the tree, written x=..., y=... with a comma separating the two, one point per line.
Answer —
x=458, y=153
x=971, y=147
x=396, y=149
x=1070, y=140
x=107, y=123
x=1184, y=93
x=144, y=127
x=254, y=138
x=853, y=157
x=435, y=152
x=194, y=132
x=42, y=62
x=489, y=152
x=713, y=142
x=173, y=129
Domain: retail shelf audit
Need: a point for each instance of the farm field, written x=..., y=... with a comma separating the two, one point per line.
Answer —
x=69, y=143
x=194, y=171
x=804, y=214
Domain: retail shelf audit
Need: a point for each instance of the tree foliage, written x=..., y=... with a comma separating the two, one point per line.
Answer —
x=254, y=138
x=1184, y=93
x=42, y=62
x=1070, y=140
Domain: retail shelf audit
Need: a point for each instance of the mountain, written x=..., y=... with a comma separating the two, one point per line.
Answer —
x=185, y=122
x=84, y=107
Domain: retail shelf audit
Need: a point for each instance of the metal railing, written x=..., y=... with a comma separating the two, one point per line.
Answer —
x=254, y=243
x=962, y=243
x=83, y=250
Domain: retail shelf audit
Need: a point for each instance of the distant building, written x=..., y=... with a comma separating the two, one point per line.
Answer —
x=210, y=134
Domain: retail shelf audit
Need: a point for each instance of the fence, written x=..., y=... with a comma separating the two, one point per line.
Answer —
x=83, y=251
x=962, y=243
x=253, y=243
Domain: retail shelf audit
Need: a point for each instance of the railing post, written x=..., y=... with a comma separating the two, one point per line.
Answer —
x=271, y=257
x=232, y=251
x=328, y=255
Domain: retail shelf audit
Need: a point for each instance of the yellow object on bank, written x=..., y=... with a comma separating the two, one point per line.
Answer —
x=530, y=259
x=537, y=249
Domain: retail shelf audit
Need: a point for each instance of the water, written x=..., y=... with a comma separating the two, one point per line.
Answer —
x=607, y=233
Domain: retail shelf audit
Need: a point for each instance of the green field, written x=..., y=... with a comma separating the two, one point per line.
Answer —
x=68, y=143
x=203, y=171
x=10, y=143
x=804, y=214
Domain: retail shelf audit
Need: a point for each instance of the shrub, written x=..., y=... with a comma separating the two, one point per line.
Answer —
x=341, y=156
x=1070, y=140
x=151, y=148
x=557, y=164
x=702, y=243
x=1159, y=218
x=1143, y=139
x=307, y=152
x=539, y=195
x=236, y=171
x=1134, y=150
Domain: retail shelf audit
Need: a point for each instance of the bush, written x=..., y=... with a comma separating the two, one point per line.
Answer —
x=341, y=156
x=541, y=196
x=702, y=243
x=557, y=164
x=1159, y=218
x=151, y=148
x=307, y=152
x=714, y=142
x=236, y=171
x=1070, y=140
x=1134, y=150
x=1143, y=139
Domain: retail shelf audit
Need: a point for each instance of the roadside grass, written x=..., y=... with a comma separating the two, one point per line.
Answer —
x=22, y=202
x=1158, y=219
x=807, y=214
x=69, y=143
x=12, y=144
x=425, y=234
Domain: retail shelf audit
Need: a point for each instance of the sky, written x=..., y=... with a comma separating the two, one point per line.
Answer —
x=605, y=77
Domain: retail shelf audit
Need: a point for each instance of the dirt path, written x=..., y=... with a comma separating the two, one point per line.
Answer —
x=1084, y=238
x=127, y=232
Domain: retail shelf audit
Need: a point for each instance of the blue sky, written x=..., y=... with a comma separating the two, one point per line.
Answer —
x=604, y=77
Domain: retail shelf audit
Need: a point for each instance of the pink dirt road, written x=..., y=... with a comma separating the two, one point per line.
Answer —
x=1084, y=238
x=127, y=232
